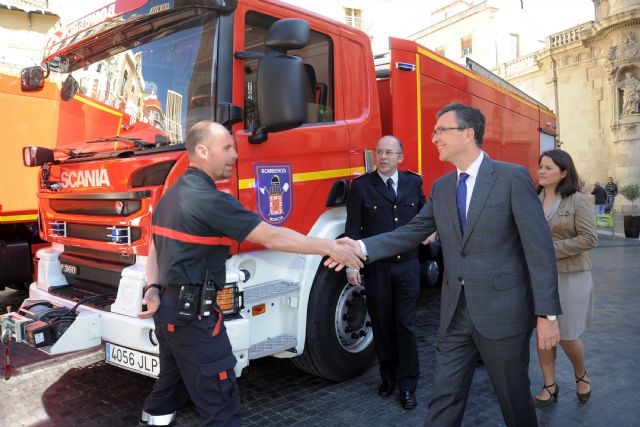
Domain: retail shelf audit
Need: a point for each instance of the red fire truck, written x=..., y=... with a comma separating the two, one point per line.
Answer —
x=19, y=237
x=300, y=95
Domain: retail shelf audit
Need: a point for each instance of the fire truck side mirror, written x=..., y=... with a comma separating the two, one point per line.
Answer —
x=69, y=88
x=287, y=34
x=280, y=95
x=36, y=156
x=32, y=79
x=281, y=78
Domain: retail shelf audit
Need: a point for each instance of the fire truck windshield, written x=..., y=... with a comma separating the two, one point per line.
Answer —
x=160, y=82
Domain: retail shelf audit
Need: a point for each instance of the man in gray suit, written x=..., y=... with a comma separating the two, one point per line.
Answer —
x=500, y=271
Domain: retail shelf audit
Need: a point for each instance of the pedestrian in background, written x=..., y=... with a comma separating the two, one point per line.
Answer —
x=382, y=201
x=600, y=198
x=612, y=191
x=568, y=213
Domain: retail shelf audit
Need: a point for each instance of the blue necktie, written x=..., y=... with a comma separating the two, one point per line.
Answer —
x=390, y=188
x=461, y=200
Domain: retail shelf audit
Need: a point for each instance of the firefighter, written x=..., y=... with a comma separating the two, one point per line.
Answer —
x=193, y=227
x=378, y=202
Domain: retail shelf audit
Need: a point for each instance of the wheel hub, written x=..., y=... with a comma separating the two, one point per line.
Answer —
x=353, y=324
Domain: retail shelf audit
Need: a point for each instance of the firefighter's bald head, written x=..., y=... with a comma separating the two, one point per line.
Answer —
x=210, y=148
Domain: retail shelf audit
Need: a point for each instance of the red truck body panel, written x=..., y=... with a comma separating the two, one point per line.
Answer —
x=513, y=124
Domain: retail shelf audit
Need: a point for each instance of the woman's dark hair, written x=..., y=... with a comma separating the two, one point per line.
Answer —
x=571, y=182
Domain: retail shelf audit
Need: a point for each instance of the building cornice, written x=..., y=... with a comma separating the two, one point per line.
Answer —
x=600, y=30
x=450, y=5
x=28, y=6
x=452, y=20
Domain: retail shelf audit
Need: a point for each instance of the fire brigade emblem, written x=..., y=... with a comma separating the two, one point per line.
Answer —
x=274, y=192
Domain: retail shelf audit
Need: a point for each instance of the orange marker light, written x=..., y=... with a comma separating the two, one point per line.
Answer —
x=227, y=300
x=258, y=309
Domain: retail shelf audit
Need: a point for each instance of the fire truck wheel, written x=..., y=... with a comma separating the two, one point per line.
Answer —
x=339, y=342
x=431, y=273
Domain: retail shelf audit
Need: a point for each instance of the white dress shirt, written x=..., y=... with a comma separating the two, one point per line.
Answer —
x=394, y=177
x=472, y=171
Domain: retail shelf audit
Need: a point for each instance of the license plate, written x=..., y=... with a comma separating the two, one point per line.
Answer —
x=134, y=360
x=70, y=269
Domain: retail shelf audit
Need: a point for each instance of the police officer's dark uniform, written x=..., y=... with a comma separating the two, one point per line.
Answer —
x=193, y=227
x=392, y=284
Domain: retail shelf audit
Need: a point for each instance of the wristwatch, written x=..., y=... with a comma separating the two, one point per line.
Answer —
x=551, y=317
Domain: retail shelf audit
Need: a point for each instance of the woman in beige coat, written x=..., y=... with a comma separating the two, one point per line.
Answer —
x=569, y=213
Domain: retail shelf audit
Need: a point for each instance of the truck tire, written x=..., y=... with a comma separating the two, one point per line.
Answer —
x=431, y=265
x=431, y=273
x=339, y=341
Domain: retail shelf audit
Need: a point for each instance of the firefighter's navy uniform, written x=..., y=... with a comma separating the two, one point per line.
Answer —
x=193, y=227
x=393, y=284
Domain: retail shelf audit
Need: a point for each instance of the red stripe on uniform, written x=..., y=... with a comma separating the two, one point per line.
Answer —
x=190, y=238
x=218, y=326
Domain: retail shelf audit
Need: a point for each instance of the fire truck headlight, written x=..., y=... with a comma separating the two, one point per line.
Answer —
x=120, y=235
x=58, y=229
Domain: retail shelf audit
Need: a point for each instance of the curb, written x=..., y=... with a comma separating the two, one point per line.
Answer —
x=614, y=234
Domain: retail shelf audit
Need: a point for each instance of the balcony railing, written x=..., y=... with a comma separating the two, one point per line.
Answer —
x=566, y=37
x=517, y=66
x=357, y=22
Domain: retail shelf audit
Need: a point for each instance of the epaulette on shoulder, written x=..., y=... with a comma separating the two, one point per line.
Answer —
x=413, y=173
x=362, y=176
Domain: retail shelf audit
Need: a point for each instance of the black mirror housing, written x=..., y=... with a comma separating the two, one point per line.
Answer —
x=69, y=88
x=36, y=156
x=280, y=79
x=32, y=79
x=280, y=99
x=287, y=34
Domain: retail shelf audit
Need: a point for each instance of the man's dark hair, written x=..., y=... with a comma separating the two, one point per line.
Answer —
x=571, y=183
x=466, y=117
x=198, y=134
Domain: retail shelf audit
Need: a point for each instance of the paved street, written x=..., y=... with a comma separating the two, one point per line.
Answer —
x=81, y=390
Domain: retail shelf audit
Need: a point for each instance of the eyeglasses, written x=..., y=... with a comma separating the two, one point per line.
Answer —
x=387, y=153
x=440, y=131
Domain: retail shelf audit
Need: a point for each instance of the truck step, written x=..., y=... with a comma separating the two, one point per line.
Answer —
x=268, y=290
x=272, y=346
x=75, y=294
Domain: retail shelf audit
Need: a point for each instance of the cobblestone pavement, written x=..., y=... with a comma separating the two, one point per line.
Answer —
x=81, y=390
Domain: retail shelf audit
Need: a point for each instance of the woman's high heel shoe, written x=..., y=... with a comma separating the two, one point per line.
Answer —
x=583, y=397
x=553, y=395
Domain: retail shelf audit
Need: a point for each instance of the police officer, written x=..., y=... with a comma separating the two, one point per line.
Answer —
x=378, y=202
x=193, y=227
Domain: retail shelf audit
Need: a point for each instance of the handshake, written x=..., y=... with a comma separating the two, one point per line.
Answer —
x=344, y=252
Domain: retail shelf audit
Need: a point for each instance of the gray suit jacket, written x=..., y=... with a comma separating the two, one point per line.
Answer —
x=505, y=260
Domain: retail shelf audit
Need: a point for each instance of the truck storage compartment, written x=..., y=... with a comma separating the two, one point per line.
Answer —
x=15, y=262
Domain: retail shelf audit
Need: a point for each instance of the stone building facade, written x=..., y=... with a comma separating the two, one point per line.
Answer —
x=590, y=76
x=24, y=25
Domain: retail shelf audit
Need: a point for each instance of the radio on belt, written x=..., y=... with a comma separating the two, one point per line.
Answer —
x=196, y=300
